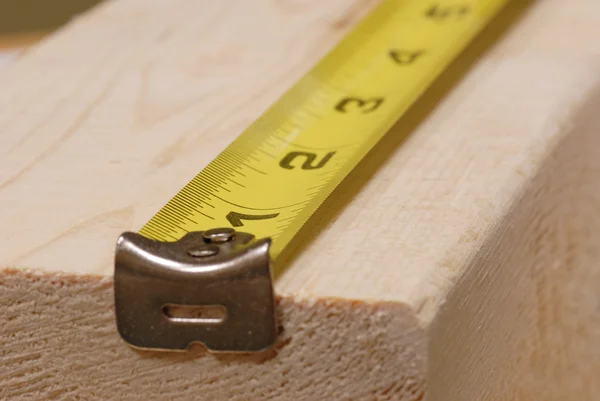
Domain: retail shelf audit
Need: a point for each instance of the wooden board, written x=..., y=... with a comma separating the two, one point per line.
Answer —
x=25, y=22
x=458, y=260
x=13, y=45
x=17, y=17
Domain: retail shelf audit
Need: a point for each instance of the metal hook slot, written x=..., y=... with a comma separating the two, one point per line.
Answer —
x=199, y=314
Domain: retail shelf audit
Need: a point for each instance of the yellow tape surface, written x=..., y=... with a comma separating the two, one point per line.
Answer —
x=273, y=177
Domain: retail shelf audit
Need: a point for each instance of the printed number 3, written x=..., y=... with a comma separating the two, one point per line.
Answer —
x=365, y=105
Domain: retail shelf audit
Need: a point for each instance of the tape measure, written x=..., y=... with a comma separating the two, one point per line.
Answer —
x=274, y=176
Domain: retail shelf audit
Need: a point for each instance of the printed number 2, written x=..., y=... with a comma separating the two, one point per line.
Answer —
x=286, y=162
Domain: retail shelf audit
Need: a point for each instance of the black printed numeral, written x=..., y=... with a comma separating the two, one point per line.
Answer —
x=286, y=162
x=443, y=13
x=406, y=57
x=235, y=218
x=353, y=103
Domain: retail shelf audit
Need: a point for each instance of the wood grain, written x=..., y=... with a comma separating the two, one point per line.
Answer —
x=459, y=258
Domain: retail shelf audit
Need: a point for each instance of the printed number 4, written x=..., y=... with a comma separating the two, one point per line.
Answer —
x=442, y=13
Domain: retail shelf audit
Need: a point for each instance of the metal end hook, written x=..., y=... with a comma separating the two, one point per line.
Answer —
x=213, y=287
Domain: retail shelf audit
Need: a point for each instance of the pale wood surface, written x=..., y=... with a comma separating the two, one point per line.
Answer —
x=6, y=57
x=11, y=46
x=478, y=217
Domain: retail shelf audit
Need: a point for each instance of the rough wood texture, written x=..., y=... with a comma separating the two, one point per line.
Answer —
x=462, y=259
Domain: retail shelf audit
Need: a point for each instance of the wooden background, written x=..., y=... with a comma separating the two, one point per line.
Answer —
x=460, y=260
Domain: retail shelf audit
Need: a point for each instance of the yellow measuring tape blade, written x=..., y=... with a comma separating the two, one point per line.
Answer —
x=272, y=178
